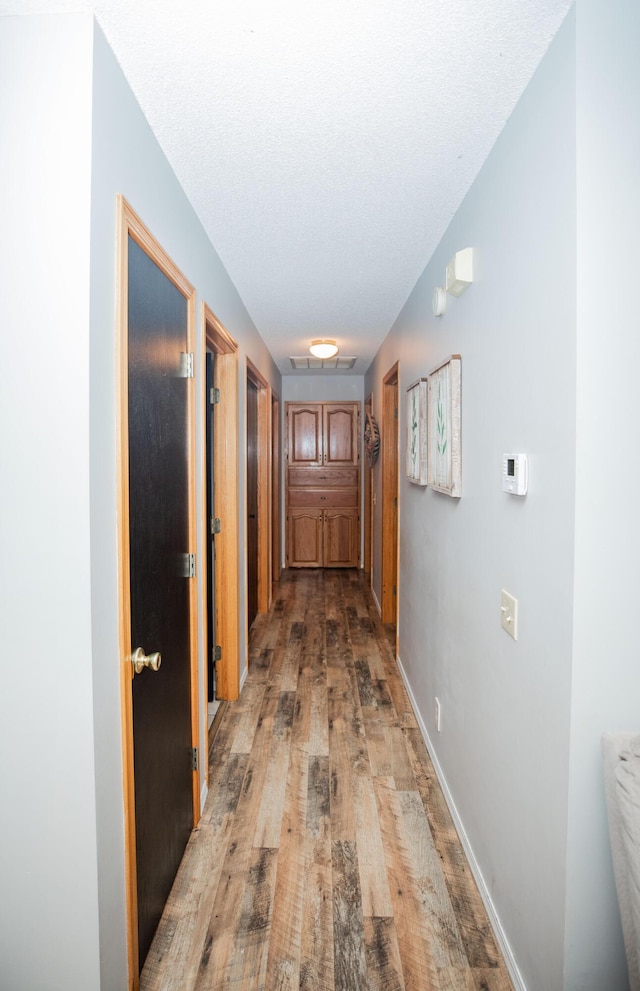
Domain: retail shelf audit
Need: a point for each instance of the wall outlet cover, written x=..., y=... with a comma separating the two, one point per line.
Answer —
x=509, y=614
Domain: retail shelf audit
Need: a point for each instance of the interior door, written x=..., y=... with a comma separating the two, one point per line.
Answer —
x=159, y=582
x=252, y=502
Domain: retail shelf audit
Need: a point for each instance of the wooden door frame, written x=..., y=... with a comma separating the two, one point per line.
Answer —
x=264, y=487
x=225, y=472
x=129, y=223
x=390, y=490
x=367, y=562
x=276, y=487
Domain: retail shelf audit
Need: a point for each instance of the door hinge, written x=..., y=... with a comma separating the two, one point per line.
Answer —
x=395, y=502
x=395, y=590
x=194, y=758
x=186, y=364
x=217, y=653
x=215, y=525
x=214, y=396
x=188, y=566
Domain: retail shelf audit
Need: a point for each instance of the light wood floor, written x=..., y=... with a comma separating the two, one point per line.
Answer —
x=326, y=857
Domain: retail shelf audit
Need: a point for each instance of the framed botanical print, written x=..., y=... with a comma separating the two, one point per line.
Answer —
x=444, y=437
x=417, y=432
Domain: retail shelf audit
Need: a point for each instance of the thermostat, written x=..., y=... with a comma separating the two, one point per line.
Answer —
x=515, y=474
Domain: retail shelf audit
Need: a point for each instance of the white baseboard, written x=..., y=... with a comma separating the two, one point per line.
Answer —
x=494, y=919
x=243, y=677
x=204, y=791
x=377, y=604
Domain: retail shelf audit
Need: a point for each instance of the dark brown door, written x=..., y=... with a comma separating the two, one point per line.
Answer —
x=160, y=606
x=252, y=502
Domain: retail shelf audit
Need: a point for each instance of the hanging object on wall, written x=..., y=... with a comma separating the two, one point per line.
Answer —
x=371, y=439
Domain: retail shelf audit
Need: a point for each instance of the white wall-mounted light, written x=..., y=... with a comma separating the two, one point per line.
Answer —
x=459, y=273
x=323, y=349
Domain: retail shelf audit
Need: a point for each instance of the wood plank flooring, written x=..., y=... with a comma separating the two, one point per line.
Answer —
x=326, y=858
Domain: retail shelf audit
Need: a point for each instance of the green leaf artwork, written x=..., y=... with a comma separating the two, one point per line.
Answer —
x=414, y=428
x=443, y=465
x=441, y=426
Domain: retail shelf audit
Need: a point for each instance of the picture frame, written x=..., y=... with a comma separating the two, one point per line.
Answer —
x=416, y=461
x=444, y=450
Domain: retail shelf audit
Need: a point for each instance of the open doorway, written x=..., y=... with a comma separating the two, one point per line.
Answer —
x=258, y=494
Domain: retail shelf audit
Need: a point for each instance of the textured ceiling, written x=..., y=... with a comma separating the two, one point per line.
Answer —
x=325, y=146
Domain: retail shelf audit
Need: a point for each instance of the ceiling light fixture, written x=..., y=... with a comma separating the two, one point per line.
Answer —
x=323, y=349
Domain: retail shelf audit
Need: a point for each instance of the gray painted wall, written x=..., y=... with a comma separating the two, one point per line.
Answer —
x=79, y=138
x=549, y=344
x=322, y=388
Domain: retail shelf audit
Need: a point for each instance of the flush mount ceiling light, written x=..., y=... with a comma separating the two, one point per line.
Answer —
x=323, y=349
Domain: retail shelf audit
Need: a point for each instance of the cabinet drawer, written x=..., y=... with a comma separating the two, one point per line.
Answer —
x=323, y=498
x=324, y=478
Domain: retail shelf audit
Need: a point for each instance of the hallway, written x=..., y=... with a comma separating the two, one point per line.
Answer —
x=326, y=857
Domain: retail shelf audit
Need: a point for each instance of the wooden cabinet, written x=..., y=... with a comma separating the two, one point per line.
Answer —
x=323, y=485
x=323, y=434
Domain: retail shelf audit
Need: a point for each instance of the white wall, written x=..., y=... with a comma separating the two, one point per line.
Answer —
x=49, y=908
x=75, y=137
x=322, y=388
x=606, y=652
x=503, y=745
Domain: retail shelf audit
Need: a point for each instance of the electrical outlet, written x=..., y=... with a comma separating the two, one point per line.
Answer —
x=437, y=714
x=509, y=614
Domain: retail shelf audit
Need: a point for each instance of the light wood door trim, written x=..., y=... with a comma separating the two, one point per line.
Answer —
x=368, y=491
x=129, y=223
x=225, y=470
x=264, y=486
x=390, y=459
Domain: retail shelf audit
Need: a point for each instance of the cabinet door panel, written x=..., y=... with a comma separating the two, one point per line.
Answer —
x=323, y=498
x=340, y=434
x=305, y=435
x=304, y=545
x=341, y=538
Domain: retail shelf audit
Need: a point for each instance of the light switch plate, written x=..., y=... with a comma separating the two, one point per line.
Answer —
x=509, y=614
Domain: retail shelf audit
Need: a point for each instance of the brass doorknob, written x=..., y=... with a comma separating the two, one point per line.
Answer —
x=141, y=660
